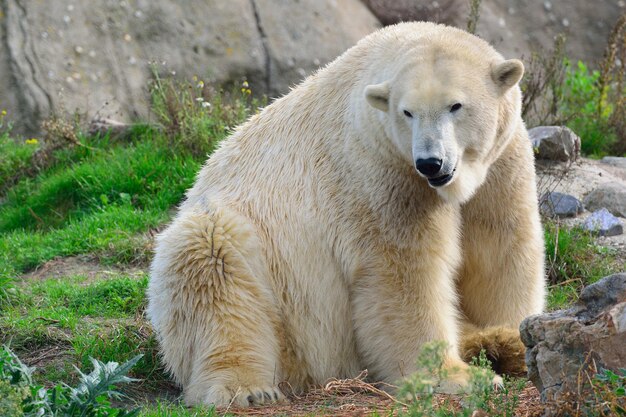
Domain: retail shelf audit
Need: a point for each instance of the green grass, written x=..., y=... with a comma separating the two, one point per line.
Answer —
x=102, y=319
x=96, y=203
x=162, y=409
x=574, y=260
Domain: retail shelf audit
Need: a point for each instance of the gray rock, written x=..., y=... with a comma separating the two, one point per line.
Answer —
x=556, y=143
x=616, y=161
x=555, y=204
x=98, y=56
x=610, y=196
x=603, y=223
x=569, y=346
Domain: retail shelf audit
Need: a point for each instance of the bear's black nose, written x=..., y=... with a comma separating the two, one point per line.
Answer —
x=429, y=166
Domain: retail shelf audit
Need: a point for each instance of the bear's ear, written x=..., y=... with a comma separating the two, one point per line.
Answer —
x=508, y=73
x=377, y=96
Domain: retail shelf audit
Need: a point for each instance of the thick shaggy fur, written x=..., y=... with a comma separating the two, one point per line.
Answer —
x=310, y=247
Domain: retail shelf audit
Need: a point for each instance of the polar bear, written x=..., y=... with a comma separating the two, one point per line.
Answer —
x=387, y=201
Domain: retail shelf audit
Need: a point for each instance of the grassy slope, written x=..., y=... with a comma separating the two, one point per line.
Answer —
x=101, y=199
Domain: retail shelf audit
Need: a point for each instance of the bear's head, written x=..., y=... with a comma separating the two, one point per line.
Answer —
x=450, y=106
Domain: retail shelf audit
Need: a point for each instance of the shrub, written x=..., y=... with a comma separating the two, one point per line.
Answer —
x=590, y=102
x=586, y=109
x=195, y=116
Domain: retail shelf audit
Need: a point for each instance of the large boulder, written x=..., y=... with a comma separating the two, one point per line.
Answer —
x=566, y=348
x=98, y=56
x=555, y=143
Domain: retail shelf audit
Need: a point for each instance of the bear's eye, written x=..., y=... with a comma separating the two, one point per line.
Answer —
x=408, y=114
x=455, y=107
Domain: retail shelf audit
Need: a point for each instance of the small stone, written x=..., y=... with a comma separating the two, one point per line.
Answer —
x=79, y=50
x=547, y=5
x=565, y=22
x=127, y=37
x=603, y=223
x=610, y=196
x=555, y=204
x=556, y=143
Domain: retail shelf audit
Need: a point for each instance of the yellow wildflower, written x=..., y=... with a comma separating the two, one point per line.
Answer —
x=32, y=141
x=245, y=84
x=4, y=112
x=200, y=84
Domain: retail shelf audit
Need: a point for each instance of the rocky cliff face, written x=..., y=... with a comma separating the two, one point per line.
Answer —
x=517, y=27
x=96, y=56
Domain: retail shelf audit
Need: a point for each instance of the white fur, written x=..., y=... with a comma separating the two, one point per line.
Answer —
x=310, y=247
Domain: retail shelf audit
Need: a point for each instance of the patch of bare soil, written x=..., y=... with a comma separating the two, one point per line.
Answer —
x=84, y=265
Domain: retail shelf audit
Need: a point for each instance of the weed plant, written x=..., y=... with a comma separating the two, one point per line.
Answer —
x=481, y=395
x=89, y=398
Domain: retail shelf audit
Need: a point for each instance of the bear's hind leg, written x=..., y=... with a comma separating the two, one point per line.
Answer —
x=211, y=304
x=502, y=345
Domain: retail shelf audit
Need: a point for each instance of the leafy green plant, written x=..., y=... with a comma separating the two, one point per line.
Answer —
x=592, y=102
x=481, y=394
x=610, y=391
x=90, y=398
x=586, y=109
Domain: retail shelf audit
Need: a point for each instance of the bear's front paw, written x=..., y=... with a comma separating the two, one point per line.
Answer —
x=221, y=396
